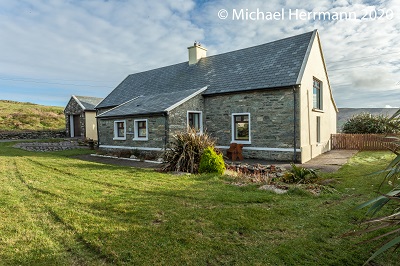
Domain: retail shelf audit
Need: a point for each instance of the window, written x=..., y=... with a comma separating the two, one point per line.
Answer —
x=318, y=129
x=195, y=120
x=140, y=130
x=119, y=130
x=241, y=128
x=317, y=94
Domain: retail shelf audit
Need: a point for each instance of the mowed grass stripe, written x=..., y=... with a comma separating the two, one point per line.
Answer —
x=26, y=238
x=42, y=226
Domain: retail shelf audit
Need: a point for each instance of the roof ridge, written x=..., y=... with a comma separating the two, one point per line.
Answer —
x=250, y=47
x=258, y=45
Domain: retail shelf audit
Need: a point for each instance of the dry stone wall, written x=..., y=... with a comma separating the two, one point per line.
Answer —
x=40, y=134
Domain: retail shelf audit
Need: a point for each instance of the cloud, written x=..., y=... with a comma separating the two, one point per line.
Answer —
x=98, y=43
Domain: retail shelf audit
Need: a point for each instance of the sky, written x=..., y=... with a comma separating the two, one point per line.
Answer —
x=52, y=49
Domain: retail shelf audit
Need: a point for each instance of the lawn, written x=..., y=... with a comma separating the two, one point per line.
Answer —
x=56, y=210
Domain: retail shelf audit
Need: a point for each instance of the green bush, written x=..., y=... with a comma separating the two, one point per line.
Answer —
x=211, y=162
x=366, y=123
x=300, y=175
x=185, y=151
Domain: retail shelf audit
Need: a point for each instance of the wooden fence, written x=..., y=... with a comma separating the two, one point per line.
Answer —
x=368, y=142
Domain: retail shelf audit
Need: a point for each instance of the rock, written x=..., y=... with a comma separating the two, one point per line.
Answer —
x=273, y=189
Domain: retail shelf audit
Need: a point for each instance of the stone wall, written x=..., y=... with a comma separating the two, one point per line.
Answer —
x=271, y=117
x=177, y=118
x=73, y=108
x=156, y=131
x=40, y=134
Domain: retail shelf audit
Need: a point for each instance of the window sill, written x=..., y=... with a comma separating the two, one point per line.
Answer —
x=140, y=139
x=241, y=141
x=119, y=138
x=318, y=110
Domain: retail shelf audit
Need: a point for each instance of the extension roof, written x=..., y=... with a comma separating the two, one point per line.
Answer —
x=87, y=103
x=152, y=104
x=272, y=65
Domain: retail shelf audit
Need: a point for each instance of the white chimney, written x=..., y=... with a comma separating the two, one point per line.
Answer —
x=196, y=52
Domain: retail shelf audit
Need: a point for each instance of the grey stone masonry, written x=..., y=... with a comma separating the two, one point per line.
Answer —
x=73, y=108
x=177, y=118
x=156, y=132
x=49, y=146
x=38, y=134
x=271, y=120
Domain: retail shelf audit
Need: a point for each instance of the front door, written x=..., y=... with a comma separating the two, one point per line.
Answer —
x=77, y=126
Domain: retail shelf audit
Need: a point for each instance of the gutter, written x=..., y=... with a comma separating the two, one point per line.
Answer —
x=166, y=126
x=294, y=125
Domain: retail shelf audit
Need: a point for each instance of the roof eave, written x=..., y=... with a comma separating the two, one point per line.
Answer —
x=133, y=115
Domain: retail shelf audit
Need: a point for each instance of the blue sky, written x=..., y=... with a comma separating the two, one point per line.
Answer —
x=50, y=50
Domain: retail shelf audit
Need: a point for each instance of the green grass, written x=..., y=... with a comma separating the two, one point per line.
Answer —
x=56, y=210
x=16, y=116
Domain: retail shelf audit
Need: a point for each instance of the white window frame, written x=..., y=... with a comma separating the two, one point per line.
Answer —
x=320, y=99
x=116, y=137
x=201, y=119
x=136, y=130
x=318, y=127
x=233, y=129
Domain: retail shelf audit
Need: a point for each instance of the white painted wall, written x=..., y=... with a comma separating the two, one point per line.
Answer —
x=91, y=125
x=308, y=120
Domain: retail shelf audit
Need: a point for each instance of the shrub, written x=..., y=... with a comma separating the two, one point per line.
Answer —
x=366, y=123
x=185, y=151
x=299, y=175
x=211, y=162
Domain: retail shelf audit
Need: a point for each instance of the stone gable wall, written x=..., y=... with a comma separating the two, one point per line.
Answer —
x=73, y=108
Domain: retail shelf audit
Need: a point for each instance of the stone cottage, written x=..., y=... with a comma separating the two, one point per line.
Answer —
x=80, y=117
x=273, y=98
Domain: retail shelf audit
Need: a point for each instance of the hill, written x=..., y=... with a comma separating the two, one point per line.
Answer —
x=18, y=116
x=346, y=113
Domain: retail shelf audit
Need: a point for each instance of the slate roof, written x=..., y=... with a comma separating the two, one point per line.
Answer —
x=150, y=104
x=271, y=65
x=88, y=103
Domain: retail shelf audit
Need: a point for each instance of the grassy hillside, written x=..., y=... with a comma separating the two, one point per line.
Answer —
x=17, y=116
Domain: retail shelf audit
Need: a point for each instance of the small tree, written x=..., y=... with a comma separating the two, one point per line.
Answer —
x=185, y=151
x=366, y=123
